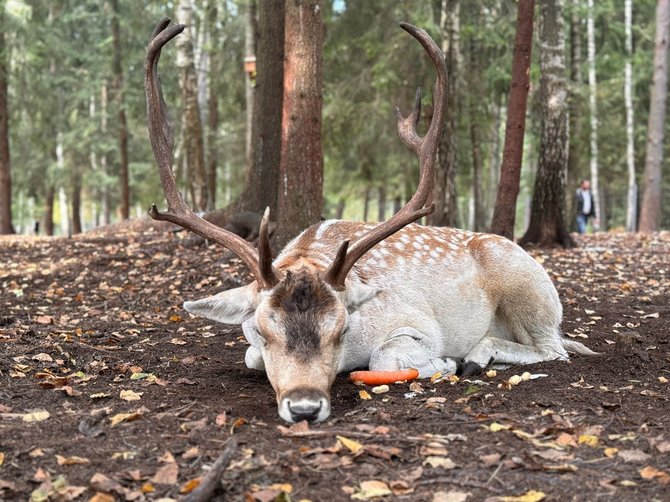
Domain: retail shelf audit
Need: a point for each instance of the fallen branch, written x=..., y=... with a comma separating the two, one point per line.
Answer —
x=211, y=481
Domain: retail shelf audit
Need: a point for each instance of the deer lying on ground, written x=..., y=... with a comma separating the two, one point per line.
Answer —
x=401, y=296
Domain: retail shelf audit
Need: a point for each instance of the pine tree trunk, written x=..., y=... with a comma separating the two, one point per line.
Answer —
x=6, y=226
x=105, y=209
x=650, y=214
x=262, y=177
x=301, y=169
x=504, y=213
x=121, y=110
x=250, y=32
x=366, y=203
x=49, y=210
x=547, y=226
x=631, y=205
x=214, y=50
x=76, y=202
x=593, y=107
x=192, y=126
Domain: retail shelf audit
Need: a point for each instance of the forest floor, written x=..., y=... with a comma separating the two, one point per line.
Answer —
x=110, y=390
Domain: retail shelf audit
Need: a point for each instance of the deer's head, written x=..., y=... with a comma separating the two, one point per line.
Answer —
x=296, y=317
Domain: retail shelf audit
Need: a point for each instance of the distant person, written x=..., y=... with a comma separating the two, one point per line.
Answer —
x=585, y=207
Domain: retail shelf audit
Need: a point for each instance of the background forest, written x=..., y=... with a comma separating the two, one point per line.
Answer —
x=76, y=109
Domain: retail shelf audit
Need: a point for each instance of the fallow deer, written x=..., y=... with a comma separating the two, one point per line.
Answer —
x=401, y=296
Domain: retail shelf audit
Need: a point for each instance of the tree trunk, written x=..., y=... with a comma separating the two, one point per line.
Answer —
x=301, y=168
x=504, y=214
x=366, y=203
x=191, y=125
x=381, y=208
x=250, y=32
x=6, y=226
x=593, y=107
x=262, y=177
x=105, y=209
x=215, y=51
x=339, y=209
x=118, y=86
x=575, y=107
x=62, y=196
x=650, y=214
x=494, y=160
x=444, y=189
x=547, y=219
x=631, y=204
x=76, y=202
x=49, y=210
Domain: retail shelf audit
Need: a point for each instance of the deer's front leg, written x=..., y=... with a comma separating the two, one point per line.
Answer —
x=408, y=348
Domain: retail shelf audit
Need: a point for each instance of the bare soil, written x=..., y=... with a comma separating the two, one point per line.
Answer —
x=85, y=320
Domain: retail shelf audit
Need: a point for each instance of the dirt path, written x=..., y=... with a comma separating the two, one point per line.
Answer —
x=108, y=386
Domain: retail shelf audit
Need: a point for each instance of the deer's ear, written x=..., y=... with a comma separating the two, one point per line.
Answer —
x=230, y=307
x=357, y=294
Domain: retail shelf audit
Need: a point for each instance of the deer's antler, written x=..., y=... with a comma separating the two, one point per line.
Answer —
x=425, y=148
x=162, y=142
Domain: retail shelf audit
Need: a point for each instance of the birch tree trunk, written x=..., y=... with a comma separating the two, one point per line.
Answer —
x=547, y=226
x=504, y=214
x=576, y=107
x=194, y=151
x=6, y=226
x=593, y=108
x=300, y=197
x=650, y=214
x=631, y=209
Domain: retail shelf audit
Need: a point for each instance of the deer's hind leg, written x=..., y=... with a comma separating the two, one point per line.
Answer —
x=409, y=348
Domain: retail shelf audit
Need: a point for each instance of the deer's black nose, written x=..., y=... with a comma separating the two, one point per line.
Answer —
x=304, y=410
x=304, y=404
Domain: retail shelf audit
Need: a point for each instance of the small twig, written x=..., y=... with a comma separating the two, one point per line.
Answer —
x=210, y=482
x=493, y=476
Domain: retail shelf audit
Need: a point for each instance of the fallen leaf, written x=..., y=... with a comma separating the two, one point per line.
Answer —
x=634, y=456
x=491, y=459
x=36, y=416
x=529, y=496
x=443, y=462
x=363, y=394
x=353, y=446
x=125, y=417
x=496, y=427
x=450, y=496
x=130, y=395
x=102, y=497
x=588, y=440
x=190, y=485
x=610, y=452
x=221, y=419
x=71, y=460
x=650, y=472
x=166, y=475
x=371, y=489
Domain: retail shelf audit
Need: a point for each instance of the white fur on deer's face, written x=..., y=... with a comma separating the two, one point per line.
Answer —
x=298, y=326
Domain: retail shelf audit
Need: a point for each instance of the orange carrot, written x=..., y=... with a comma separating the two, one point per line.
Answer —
x=382, y=377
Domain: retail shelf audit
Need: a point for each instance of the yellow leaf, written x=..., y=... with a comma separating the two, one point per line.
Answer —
x=365, y=395
x=124, y=417
x=71, y=460
x=662, y=379
x=529, y=496
x=130, y=395
x=350, y=444
x=372, y=489
x=190, y=485
x=611, y=452
x=148, y=488
x=435, y=376
x=496, y=427
x=282, y=487
x=588, y=440
x=2, y=458
x=36, y=416
x=443, y=462
x=102, y=497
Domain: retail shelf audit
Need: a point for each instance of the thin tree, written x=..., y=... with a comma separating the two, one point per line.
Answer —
x=547, y=220
x=631, y=210
x=301, y=168
x=444, y=190
x=593, y=108
x=5, y=167
x=504, y=213
x=650, y=214
x=575, y=103
x=118, y=86
x=191, y=124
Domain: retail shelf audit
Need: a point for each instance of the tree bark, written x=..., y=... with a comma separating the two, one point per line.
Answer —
x=118, y=85
x=381, y=208
x=504, y=214
x=262, y=177
x=105, y=209
x=76, y=202
x=547, y=219
x=593, y=107
x=301, y=169
x=49, y=210
x=250, y=33
x=6, y=226
x=650, y=214
x=444, y=188
x=214, y=50
x=575, y=107
x=192, y=126
x=631, y=205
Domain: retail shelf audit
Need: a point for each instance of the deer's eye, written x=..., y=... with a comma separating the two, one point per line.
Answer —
x=261, y=338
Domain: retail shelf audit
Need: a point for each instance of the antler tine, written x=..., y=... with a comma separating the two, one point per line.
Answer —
x=425, y=148
x=162, y=142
